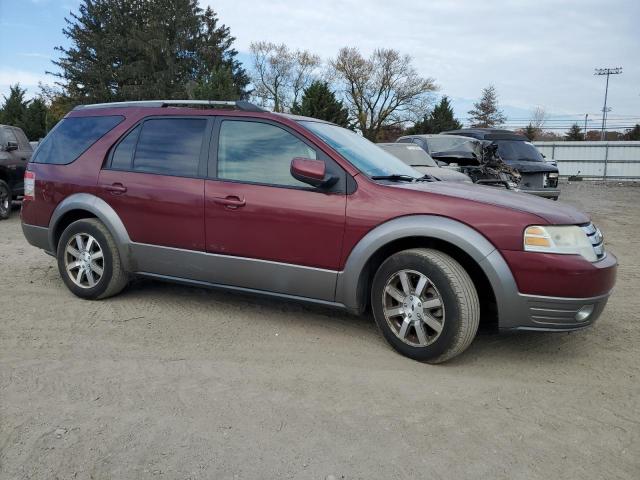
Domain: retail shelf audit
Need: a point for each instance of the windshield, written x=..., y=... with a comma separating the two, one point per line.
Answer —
x=360, y=152
x=517, y=150
x=410, y=154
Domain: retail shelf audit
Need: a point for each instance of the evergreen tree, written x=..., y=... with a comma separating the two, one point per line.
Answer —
x=574, y=133
x=531, y=132
x=486, y=112
x=14, y=106
x=123, y=50
x=319, y=101
x=218, y=84
x=634, y=133
x=440, y=119
x=34, y=121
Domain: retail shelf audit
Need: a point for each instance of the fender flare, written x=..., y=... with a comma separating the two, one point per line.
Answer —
x=104, y=212
x=483, y=252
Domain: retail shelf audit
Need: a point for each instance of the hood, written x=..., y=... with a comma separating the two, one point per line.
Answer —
x=444, y=174
x=554, y=212
x=526, y=166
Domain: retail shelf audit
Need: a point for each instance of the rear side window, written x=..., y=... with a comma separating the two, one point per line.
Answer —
x=72, y=137
x=168, y=146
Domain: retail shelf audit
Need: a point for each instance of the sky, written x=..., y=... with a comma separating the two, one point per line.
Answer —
x=536, y=53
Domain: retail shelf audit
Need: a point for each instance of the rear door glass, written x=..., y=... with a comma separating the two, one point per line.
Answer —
x=170, y=146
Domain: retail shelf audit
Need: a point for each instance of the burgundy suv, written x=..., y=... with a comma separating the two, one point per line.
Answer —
x=249, y=200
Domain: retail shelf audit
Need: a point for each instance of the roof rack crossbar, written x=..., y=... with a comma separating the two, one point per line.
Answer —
x=239, y=104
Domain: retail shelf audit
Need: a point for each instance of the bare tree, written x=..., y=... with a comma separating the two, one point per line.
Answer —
x=538, y=118
x=536, y=122
x=279, y=75
x=381, y=91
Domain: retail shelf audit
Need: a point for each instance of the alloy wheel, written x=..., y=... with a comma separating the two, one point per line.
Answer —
x=84, y=260
x=413, y=308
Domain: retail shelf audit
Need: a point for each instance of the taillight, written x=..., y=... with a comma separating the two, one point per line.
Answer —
x=29, y=185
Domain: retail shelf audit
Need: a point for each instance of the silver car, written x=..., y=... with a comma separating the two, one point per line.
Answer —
x=417, y=158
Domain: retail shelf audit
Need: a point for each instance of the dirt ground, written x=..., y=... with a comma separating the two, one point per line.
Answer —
x=174, y=382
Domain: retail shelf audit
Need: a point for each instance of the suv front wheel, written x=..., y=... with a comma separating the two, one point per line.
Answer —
x=88, y=260
x=426, y=305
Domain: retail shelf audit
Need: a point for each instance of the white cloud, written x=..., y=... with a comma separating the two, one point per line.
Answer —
x=28, y=80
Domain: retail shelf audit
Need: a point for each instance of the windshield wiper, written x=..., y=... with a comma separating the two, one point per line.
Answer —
x=396, y=177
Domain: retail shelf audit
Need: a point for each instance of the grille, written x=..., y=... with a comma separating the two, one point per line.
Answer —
x=597, y=240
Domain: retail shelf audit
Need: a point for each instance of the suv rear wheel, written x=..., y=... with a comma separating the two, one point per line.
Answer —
x=88, y=260
x=425, y=304
x=5, y=200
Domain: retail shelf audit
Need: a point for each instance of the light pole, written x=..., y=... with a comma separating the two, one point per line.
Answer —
x=607, y=72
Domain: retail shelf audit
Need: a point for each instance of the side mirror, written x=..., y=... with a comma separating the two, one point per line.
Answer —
x=312, y=172
x=11, y=146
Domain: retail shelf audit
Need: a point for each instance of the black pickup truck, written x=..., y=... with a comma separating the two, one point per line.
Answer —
x=15, y=153
x=537, y=176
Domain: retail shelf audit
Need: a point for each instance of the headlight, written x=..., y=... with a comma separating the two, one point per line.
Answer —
x=553, y=175
x=567, y=240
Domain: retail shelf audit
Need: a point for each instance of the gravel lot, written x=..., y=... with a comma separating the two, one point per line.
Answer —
x=167, y=381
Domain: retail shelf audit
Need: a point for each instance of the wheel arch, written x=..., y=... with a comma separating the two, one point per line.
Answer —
x=84, y=205
x=488, y=270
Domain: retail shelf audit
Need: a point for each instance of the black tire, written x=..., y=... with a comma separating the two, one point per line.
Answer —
x=5, y=200
x=455, y=289
x=113, y=278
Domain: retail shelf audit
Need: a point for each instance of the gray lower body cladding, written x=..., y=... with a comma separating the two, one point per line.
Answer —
x=516, y=311
x=558, y=314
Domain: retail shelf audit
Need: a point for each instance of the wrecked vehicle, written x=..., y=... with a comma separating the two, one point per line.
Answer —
x=478, y=159
x=416, y=157
x=539, y=177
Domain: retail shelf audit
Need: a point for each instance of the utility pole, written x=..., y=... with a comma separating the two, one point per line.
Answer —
x=607, y=72
x=586, y=116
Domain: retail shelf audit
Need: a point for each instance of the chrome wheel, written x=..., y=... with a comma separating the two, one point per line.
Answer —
x=84, y=260
x=413, y=308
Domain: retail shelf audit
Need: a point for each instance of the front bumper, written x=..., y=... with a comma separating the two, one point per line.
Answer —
x=559, y=314
x=541, y=192
x=551, y=292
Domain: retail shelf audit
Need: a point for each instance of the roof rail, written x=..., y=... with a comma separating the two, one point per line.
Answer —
x=238, y=104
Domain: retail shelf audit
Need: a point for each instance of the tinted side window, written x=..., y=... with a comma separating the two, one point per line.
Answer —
x=170, y=146
x=9, y=135
x=23, y=142
x=259, y=152
x=71, y=137
x=123, y=154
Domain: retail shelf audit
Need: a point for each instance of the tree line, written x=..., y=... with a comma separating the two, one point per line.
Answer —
x=173, y=49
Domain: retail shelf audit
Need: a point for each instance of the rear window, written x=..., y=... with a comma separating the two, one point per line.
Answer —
x=72, y=137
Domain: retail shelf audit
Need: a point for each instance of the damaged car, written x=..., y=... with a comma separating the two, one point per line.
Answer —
x=539, y=177
x=478, y=159
x=416, y=157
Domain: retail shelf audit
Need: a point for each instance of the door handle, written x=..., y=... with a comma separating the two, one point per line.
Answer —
x=116, y=188
x=230, y=201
